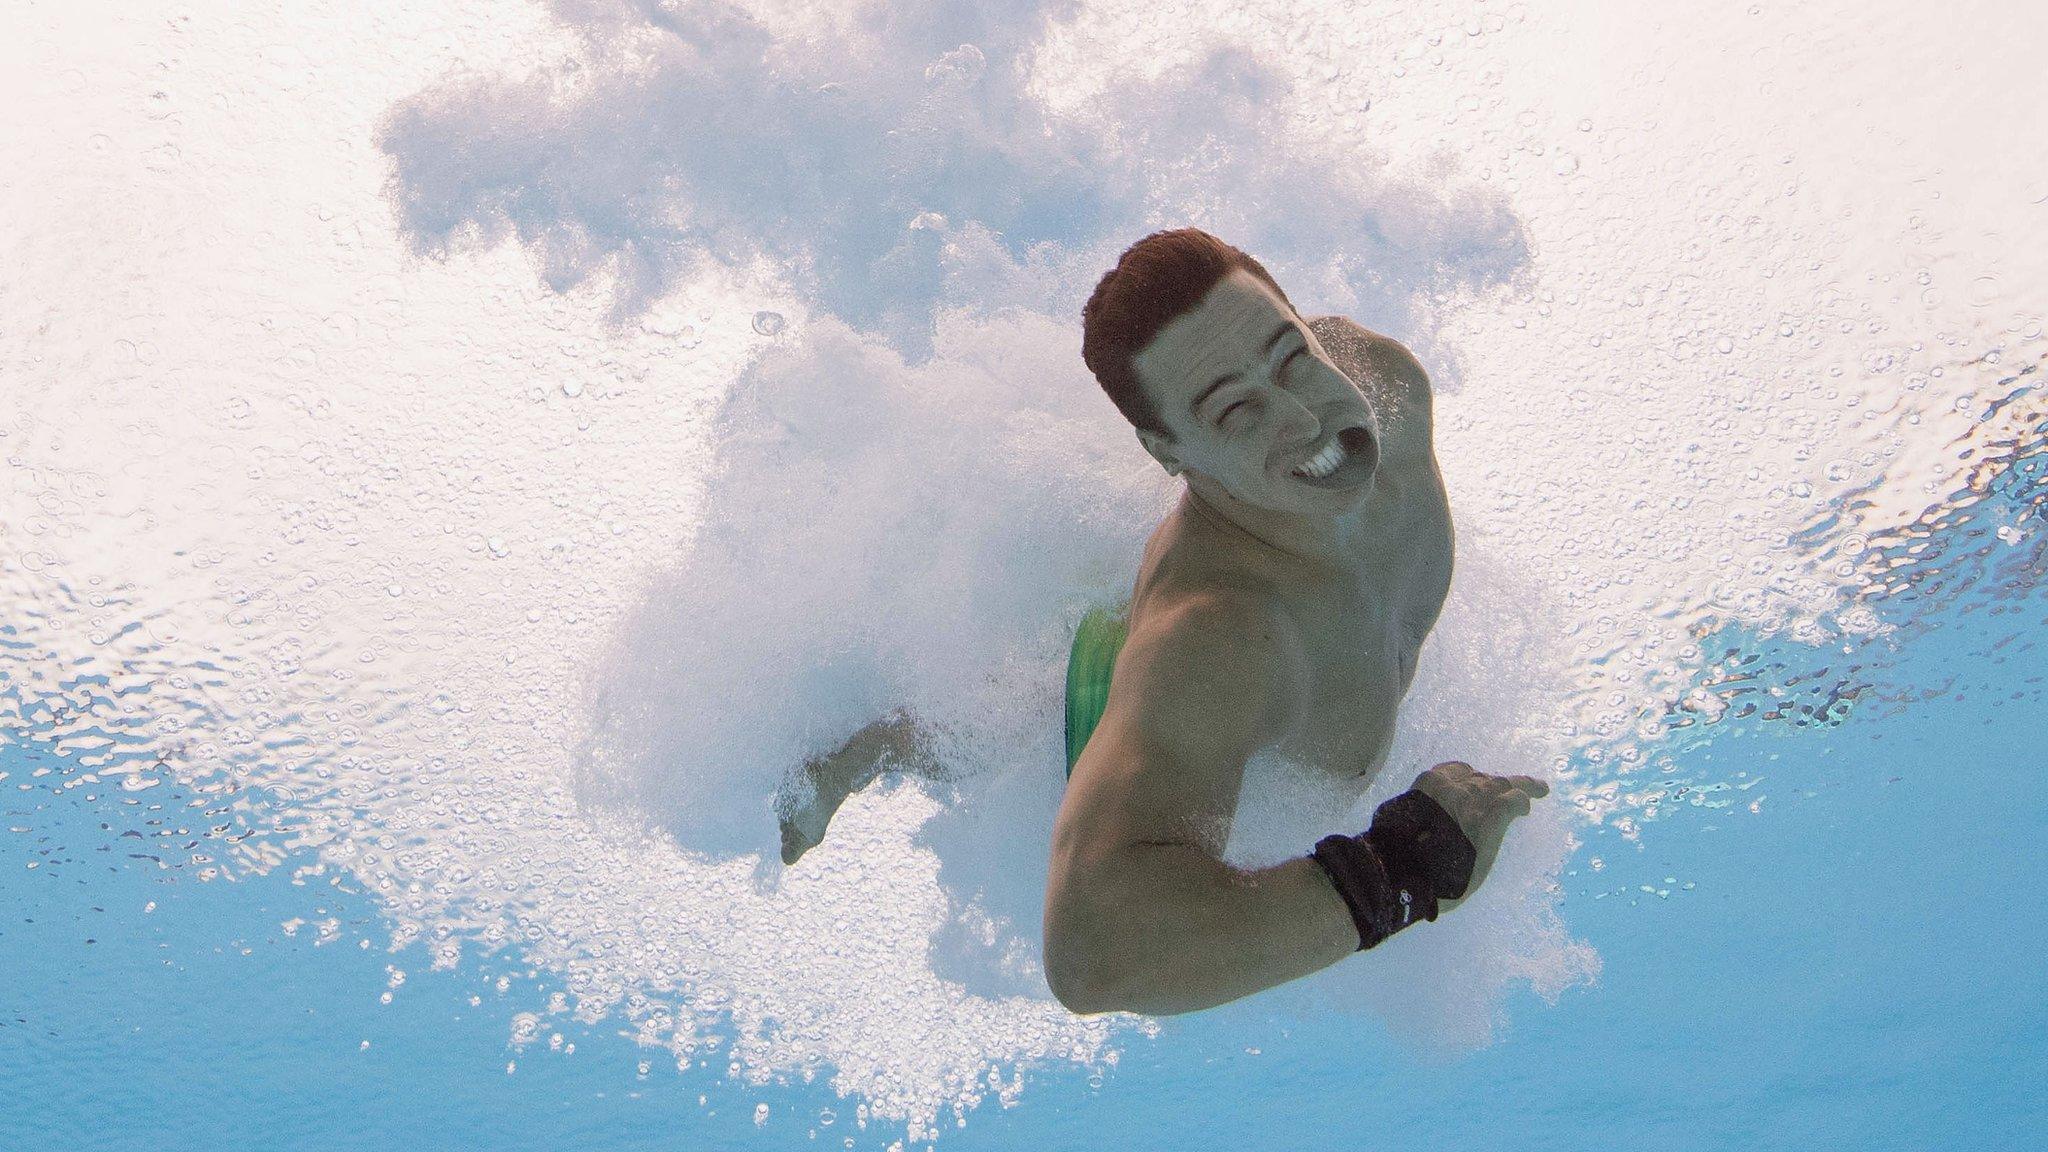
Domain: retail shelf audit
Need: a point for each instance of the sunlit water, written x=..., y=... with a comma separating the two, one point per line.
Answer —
x=461, y=461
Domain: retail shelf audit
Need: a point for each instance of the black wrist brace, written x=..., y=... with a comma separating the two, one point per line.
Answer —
x=1393, y=875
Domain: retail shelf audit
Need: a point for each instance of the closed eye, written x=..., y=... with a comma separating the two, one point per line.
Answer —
x=1284, y=364
x=1281, y=375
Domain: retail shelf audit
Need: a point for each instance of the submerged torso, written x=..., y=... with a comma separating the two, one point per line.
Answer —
x=1361, y=634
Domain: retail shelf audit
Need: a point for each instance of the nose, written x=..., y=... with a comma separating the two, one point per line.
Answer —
x=1299, y=425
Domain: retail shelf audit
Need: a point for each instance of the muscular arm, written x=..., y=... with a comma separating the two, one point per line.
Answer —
x=1141, y=913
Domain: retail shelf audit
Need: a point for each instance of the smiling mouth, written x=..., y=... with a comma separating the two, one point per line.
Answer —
x=1350, y=457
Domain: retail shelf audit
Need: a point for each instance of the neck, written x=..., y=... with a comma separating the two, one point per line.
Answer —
x=1333, y=544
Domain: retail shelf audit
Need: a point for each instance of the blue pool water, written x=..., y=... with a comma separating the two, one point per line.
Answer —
x=459, y=459
x=1859, y=966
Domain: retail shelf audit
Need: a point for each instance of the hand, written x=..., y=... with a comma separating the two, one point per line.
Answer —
x=1483, y=806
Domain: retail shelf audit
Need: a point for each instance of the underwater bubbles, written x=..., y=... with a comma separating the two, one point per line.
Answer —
x=349, y=636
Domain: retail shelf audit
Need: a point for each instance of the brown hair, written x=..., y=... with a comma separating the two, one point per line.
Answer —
x=1155, y=281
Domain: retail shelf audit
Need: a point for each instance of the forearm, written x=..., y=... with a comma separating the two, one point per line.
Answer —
x=1185, y=931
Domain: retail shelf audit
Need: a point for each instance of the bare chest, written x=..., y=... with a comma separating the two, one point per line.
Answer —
x=1363, y=649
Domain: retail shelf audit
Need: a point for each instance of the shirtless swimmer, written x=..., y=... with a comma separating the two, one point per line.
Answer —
x=1280, y=606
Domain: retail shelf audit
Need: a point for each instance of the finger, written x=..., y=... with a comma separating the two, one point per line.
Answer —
x=1443, y=773
x=1508, y=805
x=1454, y=768
x=1536, y=789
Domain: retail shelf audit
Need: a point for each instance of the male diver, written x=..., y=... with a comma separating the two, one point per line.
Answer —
x=1278, y=608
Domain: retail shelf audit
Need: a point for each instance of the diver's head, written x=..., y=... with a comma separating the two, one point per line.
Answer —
x=1223, y=380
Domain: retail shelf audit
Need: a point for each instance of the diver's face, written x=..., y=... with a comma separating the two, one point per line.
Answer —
x=1256, y=406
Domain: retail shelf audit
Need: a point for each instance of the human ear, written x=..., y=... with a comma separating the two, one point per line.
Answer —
x=1161, y=450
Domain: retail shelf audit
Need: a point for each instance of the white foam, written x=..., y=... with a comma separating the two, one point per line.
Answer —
x=305, y=395
x=877, y=536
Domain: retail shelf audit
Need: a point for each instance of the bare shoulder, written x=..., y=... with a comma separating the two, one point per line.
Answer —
x=1202, y=684
x=1211, y=645
x=1370, y=358
x=1353, y=344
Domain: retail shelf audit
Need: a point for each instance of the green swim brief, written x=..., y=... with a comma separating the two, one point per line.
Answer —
x=1096, y=643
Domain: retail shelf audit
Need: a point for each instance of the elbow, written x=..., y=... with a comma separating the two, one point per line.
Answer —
x=1080, y=971
x=1084, y=996
x=1077, y=981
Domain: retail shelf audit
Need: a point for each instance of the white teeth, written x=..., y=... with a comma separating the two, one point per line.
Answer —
x=1322, y=463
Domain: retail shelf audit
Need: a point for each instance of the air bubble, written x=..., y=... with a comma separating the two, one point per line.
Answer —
x=662, y=324
x=767, y=323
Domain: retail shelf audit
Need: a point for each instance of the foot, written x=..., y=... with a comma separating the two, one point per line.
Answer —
x=804, y=829
x=885, y=744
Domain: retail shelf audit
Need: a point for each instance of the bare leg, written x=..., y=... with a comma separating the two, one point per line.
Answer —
x=888, y=743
